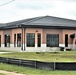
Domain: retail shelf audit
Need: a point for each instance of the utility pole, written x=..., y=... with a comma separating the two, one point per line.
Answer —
x=6, y=3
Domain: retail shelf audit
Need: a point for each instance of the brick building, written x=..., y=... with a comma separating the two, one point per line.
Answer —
x=38, y=34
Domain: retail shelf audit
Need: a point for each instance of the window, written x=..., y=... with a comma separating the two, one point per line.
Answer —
x=52, y=40
x=30, y=40
x=66, y=40
x=0, y=40
x=18, y=40
x=14, y=40
x=39, y=40
x=7, y=40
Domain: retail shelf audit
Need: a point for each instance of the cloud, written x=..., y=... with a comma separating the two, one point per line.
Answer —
x=69, y=1
x=22, y=9
x=34, y=5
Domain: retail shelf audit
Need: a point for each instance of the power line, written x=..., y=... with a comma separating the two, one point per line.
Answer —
x=6, y=3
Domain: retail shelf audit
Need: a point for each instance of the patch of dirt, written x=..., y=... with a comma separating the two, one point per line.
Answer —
x=10, y=73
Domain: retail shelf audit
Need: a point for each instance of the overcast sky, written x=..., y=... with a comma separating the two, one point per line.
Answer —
x=22, y=9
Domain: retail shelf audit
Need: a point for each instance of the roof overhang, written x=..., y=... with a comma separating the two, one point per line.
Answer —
x=47, y=26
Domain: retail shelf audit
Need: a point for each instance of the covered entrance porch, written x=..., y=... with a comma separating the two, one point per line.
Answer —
x=73, y=37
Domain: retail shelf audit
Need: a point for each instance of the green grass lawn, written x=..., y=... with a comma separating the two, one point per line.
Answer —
x=32, y=71
x=68, y=56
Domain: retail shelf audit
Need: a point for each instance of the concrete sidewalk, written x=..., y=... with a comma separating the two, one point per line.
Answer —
x=10, y=73
x=4, y=52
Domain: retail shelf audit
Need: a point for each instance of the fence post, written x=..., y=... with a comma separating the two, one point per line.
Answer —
x=7, y=60
x=35, y=64
x=54, y=65
x=20, y=62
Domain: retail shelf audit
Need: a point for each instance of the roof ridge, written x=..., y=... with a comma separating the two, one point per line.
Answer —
x=37, y=18
x=34, y=19
x=62, y=18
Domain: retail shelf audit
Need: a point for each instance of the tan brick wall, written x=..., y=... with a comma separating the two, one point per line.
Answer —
x=52, y=31
x=69, y=32
x=7, y=32
x=2, y=36
x=15, y=31
x=11, y=32
x=36, y=31
x=43, y=32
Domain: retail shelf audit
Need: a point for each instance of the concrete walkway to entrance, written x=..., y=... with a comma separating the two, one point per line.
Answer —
x=10, y=73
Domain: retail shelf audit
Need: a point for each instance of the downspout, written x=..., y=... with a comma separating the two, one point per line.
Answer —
x=23, y=36
x=20, y=26
x=22, y=39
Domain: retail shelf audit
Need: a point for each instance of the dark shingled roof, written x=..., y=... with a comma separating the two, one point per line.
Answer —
x=51, y=21
x=43, y=21
x=1, y=24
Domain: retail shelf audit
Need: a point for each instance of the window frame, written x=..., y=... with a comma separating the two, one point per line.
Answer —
x=39, y=40
x=28, y=40
x=48, y=43
x=66, y=40
x=0, y=40
x=15, y=40
x=7, y=40
x=18, y=45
